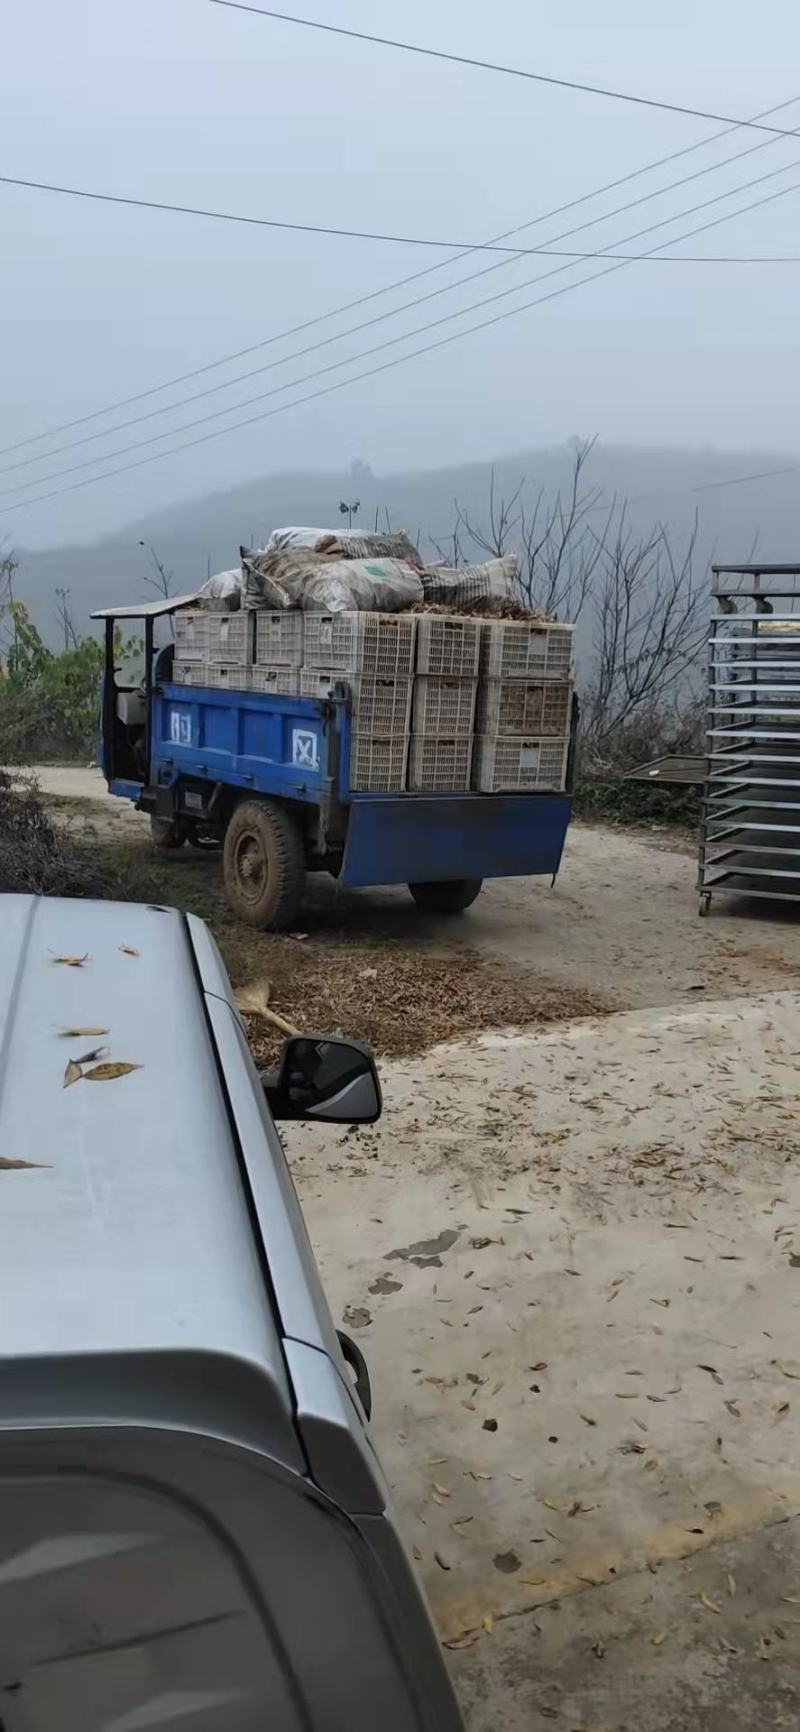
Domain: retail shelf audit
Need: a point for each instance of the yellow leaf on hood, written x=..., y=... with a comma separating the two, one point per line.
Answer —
x=109, y=1072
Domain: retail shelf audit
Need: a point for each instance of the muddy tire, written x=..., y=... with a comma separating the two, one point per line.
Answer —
x=165, y=834
x=264, y=864
x=451, y=896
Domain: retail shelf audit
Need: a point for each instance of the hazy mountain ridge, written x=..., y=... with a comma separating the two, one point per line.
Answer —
x=191, y=535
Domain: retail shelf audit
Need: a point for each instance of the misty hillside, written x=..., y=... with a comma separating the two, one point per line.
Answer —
x=191, y=538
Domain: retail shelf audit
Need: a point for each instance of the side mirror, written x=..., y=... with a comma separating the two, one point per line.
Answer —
x=327, y=1078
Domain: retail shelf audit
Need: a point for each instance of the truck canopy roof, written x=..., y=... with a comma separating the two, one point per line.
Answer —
x=147, y=609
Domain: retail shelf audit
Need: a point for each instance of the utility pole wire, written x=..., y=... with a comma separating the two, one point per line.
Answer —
x=401, y=282
x=369, y=372
x=419, y=300
x=494, y=66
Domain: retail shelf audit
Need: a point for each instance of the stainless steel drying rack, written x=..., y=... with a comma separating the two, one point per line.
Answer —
x=750, y=824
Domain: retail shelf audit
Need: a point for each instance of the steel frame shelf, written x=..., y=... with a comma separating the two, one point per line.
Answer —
x=750, y=824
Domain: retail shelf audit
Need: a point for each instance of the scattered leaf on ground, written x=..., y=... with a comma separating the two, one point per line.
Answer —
x=556, y=1503
x=660, y=1637
x=713, y=1372
x=128, y=950
x=710, y=1605
x=442, y=1489
x=78, y=1033
x=468, y=1640
x=73, y=1073
x=789, y=1367
x=732, y=1408
x=442, y=1562
x=9, y=1165
x=732, y=1586
x=488, y=1623
x=109, y=1072
x=73, y=961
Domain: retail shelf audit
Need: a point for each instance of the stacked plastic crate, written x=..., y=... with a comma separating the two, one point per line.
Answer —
x=445, y=691
x=373, y=654
x=247, y=651
x=213, y=649
x=522, y=727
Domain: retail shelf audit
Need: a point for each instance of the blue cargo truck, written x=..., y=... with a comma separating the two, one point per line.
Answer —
x=267, y=778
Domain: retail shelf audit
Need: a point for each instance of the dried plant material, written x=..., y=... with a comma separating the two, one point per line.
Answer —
x=73, y=961
x=81, y=1033
x=442, y=1489
x=72, y=1074
x=764, y=1649
x=628, y=1394
x=789, y=1367
x=732, y=1408
x=109, y=1072
x=791, y=1599
x=417, y=1554
x=533, y=1581
x=475, y=1473
x=732, y=1587
x=468, y=1640
x=710, y=1605
x=91, y=1057
x=128, y=950
x=556, y=1503
x=9, y=1165
x=488, y=1623
x=782, y=1407
x=663, y=1302
x=713, y=1372
x=442, y=1562
x=659, y=1638
x=587, y=1420
x=459, y=1523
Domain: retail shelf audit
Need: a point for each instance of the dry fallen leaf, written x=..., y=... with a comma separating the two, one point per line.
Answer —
x=713, y=1372
x=442, y=1562
x=8, y=1165
x=488, y=1623
x=557, y=1504
x=77, y=1033
x=533, y=1581
x=659, y=1638
x=91, y=1057
x=789, y=1367
x=417, y=1553
x=782, y=1407
x=468, y=1640
x=732, y=1408
x=442, y=1489
x=72, y=1074
x=73, y=961
x=128, y=950
x=109, y=1072
x=732, y=1586
x=710, y=1605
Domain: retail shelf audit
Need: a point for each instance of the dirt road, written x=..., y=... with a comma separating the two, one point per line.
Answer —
x=572, y=1259
x=621, y=920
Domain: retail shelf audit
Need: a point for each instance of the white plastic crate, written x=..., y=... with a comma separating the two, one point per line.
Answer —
x=444, y=706
x=512, y=649
x=280, y=682
x=439, y=766
x=508, y=765
x=188, y=673
x=378, y=706
x=361, y=643
x=222, y=676
x=378, y=766
x=523, y=708
x=201, y=636
x=448, y=644
x=279, y=637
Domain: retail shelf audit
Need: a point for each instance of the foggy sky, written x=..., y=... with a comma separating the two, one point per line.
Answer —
x=179, y=100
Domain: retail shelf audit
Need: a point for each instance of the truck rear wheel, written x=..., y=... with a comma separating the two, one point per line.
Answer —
x=449, y=896
x=264, y=863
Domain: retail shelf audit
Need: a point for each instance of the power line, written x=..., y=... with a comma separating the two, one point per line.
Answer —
x=493, y=66
x=403, y=282
x=370, y=372
x=742, y=480
x=447, y=318
x=366, y=234
x=433, y=294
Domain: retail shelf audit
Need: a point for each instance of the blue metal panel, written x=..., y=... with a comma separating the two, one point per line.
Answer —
x=125, y=790
x=419, y=838
x=283, y=746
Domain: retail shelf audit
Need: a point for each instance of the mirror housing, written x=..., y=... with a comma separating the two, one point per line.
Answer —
x=326, y=1079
